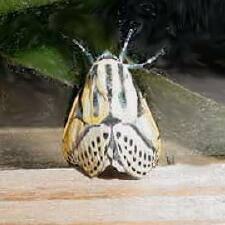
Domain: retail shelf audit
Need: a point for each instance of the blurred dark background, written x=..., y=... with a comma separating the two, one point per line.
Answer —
x=193, y=31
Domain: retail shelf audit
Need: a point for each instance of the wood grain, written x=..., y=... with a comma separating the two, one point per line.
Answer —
x=172, y=195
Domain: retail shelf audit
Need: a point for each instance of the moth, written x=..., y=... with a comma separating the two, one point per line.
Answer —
x=110, y=123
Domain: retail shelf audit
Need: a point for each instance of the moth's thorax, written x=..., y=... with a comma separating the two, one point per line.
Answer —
x=111, y=78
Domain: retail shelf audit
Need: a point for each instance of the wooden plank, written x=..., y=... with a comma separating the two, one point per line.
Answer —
x=179, y=194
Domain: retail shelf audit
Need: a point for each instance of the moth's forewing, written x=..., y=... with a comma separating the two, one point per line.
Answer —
x=138, y=143
x=86, y=145
x=72, y=130
x=94, y=101
x=83, y=127
x=152, y=131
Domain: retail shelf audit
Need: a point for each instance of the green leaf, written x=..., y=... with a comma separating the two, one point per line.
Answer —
x=23, y=34
x=46, y=60
x=192, y=121
x=7, y=6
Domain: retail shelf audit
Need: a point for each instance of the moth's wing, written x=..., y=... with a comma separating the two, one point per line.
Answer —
x=91, y=149
x=94, y=101
x=85, y=144
x=74, y=126
x=148, y=127
x=136, y=153
x=83, y=112
x=138, y=143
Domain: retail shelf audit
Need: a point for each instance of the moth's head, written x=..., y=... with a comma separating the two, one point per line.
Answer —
x=107, y=55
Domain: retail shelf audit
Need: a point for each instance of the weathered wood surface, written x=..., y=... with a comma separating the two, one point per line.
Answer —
x=172, y=195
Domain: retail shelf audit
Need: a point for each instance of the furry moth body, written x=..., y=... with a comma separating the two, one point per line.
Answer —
x=110, y=123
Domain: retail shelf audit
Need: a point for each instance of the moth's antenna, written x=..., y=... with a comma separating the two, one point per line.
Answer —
x=74, y=41
x=124, y=50
x=149, y=61
x=85, y=51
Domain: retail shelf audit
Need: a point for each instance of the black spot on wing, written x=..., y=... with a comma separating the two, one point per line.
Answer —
x=145, y=156
x=118, y=134
x=131, y=142
x=105, y=135
x=98, y=139
x=89, y=150
x=135, y=149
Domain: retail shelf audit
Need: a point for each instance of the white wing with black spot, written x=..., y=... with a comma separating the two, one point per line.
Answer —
x=137, y=155
x=91, y=151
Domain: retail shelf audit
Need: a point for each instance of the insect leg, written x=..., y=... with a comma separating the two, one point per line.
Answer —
x=149, y=61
